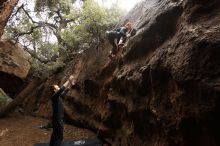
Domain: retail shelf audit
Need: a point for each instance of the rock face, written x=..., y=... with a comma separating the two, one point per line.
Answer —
x=163, y=87
x=14, y=66
x=6, y=8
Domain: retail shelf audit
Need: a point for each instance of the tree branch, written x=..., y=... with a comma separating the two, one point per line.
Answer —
x=35, y=56
x=40, y=23
x=17, y=35
x=15, y=13
x=22, y=7
x=29, y=32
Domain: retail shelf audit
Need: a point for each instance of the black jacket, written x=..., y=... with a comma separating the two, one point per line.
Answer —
x=122, y=31
x=57, y=103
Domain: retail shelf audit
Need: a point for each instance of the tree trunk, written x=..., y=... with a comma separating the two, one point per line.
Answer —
x=6, y=8
x=20, y=97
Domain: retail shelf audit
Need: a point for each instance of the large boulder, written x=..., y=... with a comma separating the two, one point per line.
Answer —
x=14, y=66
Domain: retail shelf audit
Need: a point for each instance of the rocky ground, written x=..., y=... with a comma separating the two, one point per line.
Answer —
x=20, y=130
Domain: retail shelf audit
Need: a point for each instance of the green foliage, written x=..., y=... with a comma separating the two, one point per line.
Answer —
x=47, y=50
x=47, y=70
x=4, y=99
x=114, y=14
x=60, y=28
x=69, y=37
x=94, y=20
x=22, y=24
x=41, y=5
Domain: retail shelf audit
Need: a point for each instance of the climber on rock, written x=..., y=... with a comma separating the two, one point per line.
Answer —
x=119, y=35
x=58, y=110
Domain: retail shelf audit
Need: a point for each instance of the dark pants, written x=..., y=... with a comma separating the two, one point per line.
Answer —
x=112, y=35
x=57, y=135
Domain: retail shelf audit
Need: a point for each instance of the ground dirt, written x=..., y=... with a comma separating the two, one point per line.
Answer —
x=20, y=130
